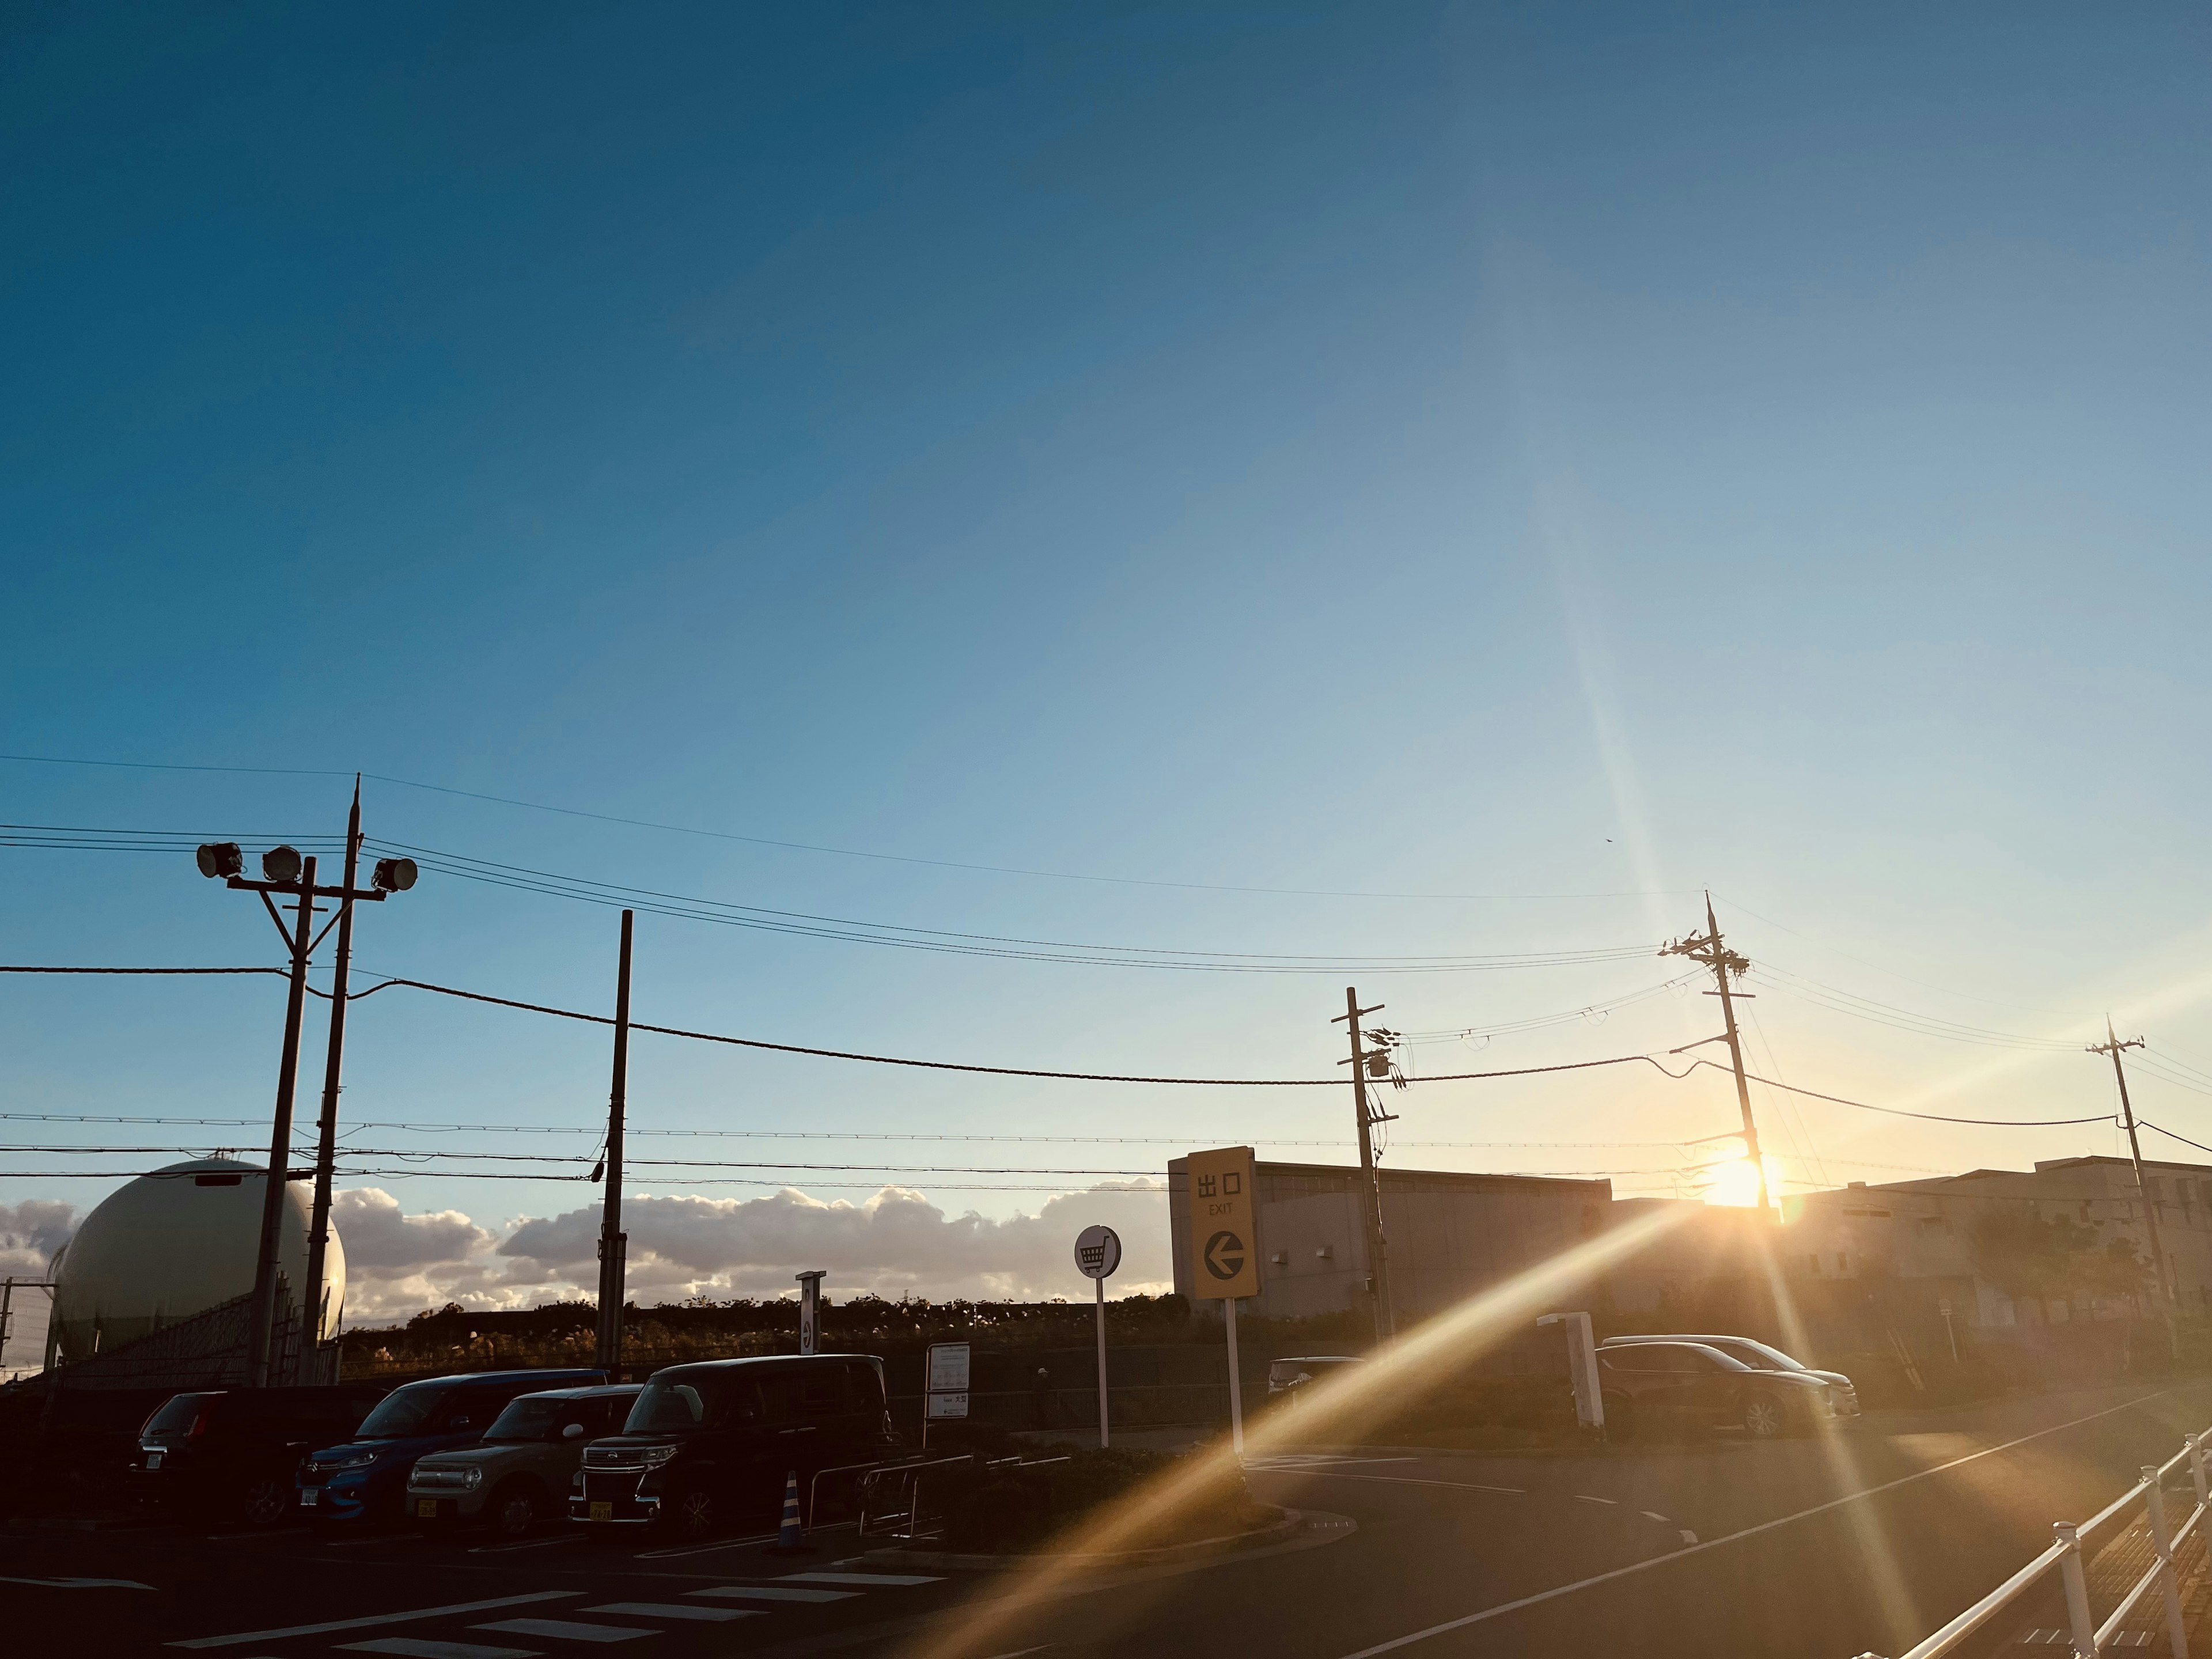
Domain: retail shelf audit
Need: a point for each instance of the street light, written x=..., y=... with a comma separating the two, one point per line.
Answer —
x=284, y=871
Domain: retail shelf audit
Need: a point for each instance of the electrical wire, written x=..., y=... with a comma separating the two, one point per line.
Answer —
x=808, y=846
x=1931, y=1117
x=1883, y=1014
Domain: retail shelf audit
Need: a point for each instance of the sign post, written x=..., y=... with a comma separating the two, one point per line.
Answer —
x=1098, y=1253
x=810, y=1309
x=1225, y=1247
x=947, y=1385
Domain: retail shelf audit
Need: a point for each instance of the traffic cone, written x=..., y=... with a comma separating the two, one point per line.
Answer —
x=790, y=1539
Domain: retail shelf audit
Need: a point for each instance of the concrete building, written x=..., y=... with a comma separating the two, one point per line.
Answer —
x=1450, y=1235
x=1918, y=1243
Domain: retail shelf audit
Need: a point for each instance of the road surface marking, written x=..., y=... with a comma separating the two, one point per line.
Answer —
x=1654, y=1514
x=526, y=1544
x=770, y=1593
x=670, y=1610
x=1413, y=1480
x=562, y=1630
x=375, y=1618
x=408, y=1647
x=1689, y=1537
x=1552, y=1594
x=1585, y=1498
x=80, y=1584
x=868, y=1580
x=705, y=1549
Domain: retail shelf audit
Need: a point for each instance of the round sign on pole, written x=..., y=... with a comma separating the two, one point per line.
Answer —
x=1097, y=1252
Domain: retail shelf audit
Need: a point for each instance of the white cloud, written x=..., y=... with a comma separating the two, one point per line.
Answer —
x=30, y=1233
x=894, y=1242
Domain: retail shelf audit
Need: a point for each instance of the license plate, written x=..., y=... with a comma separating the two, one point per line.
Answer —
x=153, y=1460
x=426, y=1509
x=308, y=1496
x=603, y=1512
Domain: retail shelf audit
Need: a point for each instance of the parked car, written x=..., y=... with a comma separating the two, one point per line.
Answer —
x=521, y=1471
x=361, y=1479
x=1691, y=1385
x=233, y=1454
x=1286, y=1376
x=710, y=1444
x=1842, y=1394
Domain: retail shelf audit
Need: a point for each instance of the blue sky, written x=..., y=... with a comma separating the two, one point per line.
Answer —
x=1423, y=450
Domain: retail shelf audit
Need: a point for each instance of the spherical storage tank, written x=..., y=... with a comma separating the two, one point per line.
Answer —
x=174, y=1243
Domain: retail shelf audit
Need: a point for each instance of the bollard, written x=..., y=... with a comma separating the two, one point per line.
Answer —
x=2077, y=1591
x=2176, y=1634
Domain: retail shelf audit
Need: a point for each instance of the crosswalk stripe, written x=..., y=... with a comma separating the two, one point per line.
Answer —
x=774, y=1593
x=409, y=1647
x=363, y=1623
x=562, y=1630
x=672, y=1610
x=867, y=1580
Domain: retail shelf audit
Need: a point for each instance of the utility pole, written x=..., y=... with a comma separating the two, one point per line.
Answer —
x=1370, y=1183
x=2112, y=1045
x=284, y=872
x=326, y=1129
x=269, y=1263
x=613, y=1241
x=1708, y=948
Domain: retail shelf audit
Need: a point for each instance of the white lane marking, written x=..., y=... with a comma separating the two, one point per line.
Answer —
x=526, y=1544
x=376, y=1619
x=1414, y=1480
x=772, y=1593
x=1689, y=1537
x=563, y=1630
x=1654, y=1514
x=672, y=1610
x=867, y=1580
x=1309, y=1460
x=1694, y=1548
x=1585, y=1498
x=409, y=1647
x=80, y=1583
x=704, y=1549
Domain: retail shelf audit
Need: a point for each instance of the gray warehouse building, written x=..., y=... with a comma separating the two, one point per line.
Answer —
x=1450, y=1235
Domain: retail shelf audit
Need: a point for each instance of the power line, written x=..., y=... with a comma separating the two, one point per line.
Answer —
x=1882, y=1014
x=1931, y=1117
x=805, y=847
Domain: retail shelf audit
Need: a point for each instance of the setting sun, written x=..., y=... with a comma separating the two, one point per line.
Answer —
x=1736, y=1182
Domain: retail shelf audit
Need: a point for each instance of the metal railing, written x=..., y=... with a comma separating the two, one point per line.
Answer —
x=2087, y=1638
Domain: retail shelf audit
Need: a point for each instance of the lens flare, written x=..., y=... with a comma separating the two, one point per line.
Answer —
x=1736, y=1182
x=1338, y=1404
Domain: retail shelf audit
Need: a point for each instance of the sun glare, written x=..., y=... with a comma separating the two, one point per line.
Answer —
x=1736, y=1182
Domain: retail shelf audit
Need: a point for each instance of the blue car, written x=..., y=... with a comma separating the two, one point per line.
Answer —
x=365, y=1479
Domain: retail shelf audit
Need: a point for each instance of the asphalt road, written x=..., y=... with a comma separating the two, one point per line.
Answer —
x=1825, y=1548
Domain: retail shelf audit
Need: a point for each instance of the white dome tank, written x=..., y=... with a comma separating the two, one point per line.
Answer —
x=174, y=1243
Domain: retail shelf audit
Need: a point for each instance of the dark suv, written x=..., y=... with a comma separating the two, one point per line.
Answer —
x=362, y=1479
x=1683, y=1385
x=232, y=1455
x=711, y=1444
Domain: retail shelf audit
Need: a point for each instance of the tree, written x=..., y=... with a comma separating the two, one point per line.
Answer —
x=2027, y=1255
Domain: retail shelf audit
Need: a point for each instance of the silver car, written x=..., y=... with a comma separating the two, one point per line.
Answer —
x=1843, y=1397
x=520, y=1472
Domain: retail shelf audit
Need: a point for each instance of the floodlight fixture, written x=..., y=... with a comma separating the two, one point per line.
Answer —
x=280, y=864
x=220, y=858
x=393, y=875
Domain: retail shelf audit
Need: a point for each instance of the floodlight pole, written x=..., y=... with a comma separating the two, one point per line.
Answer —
x=613, y=1241
x=268, y=1262
x=326, y=1129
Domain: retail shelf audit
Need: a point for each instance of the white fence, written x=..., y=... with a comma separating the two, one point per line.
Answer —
x=2088, y=1638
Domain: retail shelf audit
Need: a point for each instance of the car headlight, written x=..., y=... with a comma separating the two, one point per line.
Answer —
x=360, y=1461
x=654, y=1457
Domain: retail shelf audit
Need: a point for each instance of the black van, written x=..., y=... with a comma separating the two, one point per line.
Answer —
x=710, y=1445
x=231, y=1454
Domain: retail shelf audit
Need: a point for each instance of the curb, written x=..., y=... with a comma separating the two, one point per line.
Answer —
x=1228, y=1544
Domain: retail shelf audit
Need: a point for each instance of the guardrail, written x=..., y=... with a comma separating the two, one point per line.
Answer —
x=2087, y=1638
